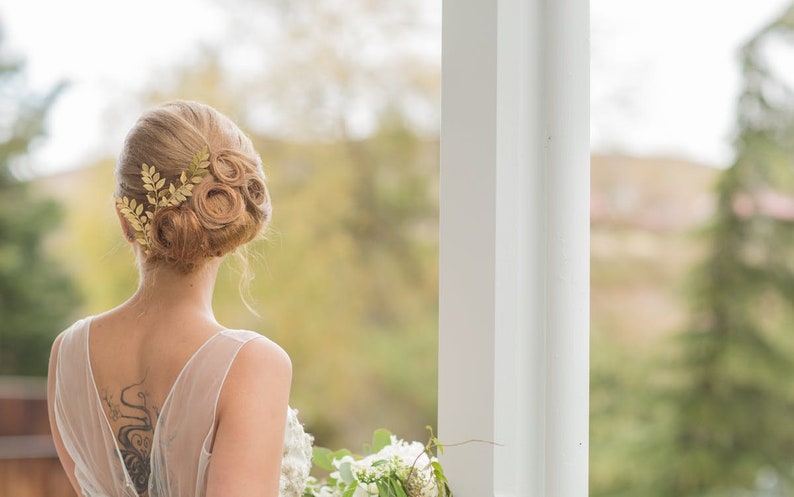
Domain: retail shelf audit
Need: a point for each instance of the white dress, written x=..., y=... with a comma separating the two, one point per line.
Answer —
x=180, y=454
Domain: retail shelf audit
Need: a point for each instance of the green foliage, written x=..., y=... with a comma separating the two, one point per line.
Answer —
x=347, y=283
x=37, y=299
x=708, y=413
x=730, y=396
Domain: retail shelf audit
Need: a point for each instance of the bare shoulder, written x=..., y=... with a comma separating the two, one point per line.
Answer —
x=263, y=356
x=261, y=365
x=252, y=410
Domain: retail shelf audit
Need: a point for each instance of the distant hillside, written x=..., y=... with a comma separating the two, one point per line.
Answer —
x=644, y=216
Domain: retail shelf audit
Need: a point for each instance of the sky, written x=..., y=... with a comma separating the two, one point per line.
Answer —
x=664, y=73
x=106, y=52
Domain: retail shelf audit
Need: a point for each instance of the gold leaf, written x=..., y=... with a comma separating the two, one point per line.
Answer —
x=155, y=176
x=148, y=187
x=171, y=188
x=139, y=210
x=183, y=177
x=160, y=183
x=200, y=160
x=150, y=199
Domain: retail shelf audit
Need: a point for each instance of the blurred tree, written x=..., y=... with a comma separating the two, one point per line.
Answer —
x=37, y=299
x=322, y=69
x=733, y=393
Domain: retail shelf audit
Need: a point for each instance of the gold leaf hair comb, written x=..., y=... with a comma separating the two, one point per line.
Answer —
x=158, y=196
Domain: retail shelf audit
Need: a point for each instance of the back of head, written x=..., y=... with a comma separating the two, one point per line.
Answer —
x=190, y=185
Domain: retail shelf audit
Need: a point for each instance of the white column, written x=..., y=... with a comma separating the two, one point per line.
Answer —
x=514, y=254
x=467, y=252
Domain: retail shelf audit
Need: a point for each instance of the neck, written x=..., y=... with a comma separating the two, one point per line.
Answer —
x=163, y=288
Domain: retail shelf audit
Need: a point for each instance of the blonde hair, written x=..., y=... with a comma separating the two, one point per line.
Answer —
x=229, y=207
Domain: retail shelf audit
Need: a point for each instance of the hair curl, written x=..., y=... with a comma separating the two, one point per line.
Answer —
x=228, y=208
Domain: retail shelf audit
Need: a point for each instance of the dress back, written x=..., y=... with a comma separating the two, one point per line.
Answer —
x=183, y=433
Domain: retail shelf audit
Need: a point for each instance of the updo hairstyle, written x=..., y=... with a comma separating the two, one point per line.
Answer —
x=229, y=206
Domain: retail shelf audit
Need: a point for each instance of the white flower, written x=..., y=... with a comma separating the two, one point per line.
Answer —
x=328, y=492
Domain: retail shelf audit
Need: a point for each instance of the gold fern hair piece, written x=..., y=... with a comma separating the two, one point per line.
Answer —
x=158, y=196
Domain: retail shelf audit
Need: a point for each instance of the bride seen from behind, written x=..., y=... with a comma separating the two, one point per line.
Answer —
x=155, y=397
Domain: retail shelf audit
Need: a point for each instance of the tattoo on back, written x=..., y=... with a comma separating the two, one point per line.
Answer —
x=139, y=418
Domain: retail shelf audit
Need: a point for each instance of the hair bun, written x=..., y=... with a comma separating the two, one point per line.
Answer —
x=191, y=184
x=229, y=166
x=216, y=204
x=257, y=196
x=177, y=236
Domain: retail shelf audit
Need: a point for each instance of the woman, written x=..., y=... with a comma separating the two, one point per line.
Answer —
x=154, y=397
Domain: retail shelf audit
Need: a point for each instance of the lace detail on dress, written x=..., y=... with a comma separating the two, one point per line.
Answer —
x=297, y=460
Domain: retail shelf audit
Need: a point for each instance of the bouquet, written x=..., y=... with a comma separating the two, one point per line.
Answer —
x=391, y=467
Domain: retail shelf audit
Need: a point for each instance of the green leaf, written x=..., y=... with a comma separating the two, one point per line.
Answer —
x=397, y=487
x=438, y=472
x=380, y=439
x=346, y=473
x=384, y=489
x=339, y=454
x=350, y=490
x=321, y=457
